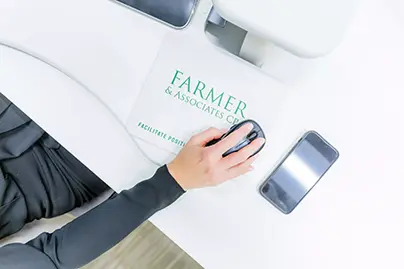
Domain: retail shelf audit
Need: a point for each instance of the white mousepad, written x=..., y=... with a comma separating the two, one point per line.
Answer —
x=193, y=86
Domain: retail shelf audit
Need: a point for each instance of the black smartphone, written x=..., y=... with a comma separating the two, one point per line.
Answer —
x=299, y=172
x=176, y=13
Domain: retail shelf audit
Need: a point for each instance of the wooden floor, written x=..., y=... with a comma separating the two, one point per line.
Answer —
x=146, y=248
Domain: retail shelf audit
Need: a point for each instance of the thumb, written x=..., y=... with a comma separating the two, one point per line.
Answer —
x=206, y=136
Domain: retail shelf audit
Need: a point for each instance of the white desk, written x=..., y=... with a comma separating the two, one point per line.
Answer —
x=352, y=219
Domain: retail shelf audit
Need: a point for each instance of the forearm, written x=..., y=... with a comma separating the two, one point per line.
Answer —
x=89, y=236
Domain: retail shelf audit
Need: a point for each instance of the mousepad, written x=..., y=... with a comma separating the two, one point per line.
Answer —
x=193, y=86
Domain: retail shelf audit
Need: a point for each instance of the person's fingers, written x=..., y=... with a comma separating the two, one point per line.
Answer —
x=207, y=136
x=242, y=155
x=242, y=168
x=233, y=139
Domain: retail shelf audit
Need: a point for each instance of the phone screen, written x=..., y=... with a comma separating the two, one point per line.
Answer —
x=297, y=174
x=174, y=12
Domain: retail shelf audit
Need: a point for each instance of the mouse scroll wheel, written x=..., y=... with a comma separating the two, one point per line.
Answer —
x=252, y=136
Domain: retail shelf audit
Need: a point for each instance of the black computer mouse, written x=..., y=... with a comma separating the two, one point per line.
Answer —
x=255, y=133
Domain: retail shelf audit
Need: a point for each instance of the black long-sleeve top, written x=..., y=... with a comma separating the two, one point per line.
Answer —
x=90, y=235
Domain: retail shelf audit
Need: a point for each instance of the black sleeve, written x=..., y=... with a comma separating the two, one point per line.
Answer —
x=92, y=234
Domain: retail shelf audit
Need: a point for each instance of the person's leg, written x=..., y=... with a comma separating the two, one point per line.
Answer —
x=44, y=182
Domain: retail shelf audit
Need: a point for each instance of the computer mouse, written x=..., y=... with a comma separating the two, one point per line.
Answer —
x=255, y=133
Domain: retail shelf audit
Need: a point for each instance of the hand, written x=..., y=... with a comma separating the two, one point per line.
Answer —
x=197, y=166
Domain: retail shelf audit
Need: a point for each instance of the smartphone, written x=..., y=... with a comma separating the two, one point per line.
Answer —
x=301, y=169
x=176, y=13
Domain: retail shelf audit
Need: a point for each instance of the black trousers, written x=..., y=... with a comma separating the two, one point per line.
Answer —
x=38, y=177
